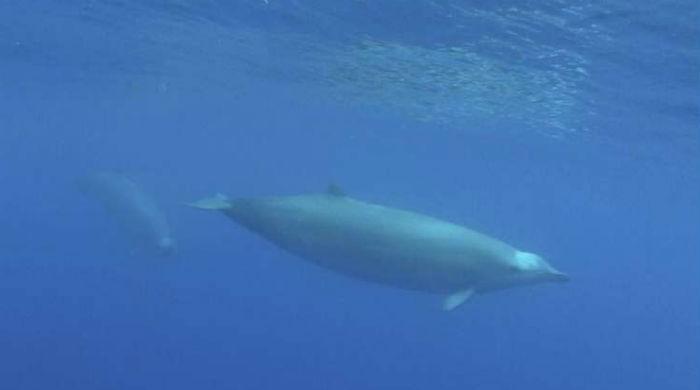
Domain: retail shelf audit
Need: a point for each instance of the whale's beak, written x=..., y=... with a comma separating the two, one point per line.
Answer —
x=558, y=276
x=166, y=246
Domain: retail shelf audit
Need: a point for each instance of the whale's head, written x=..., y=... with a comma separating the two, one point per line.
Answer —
x=530, y=268
x=166, y=246
x=522, y=269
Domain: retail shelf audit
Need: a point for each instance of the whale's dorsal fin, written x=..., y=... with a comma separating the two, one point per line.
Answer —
x=455, y=300
x=334, y=190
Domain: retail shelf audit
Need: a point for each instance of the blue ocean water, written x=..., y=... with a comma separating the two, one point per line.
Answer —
x=570, y=128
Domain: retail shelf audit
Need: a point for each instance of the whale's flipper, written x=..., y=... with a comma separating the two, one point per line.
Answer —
x=216, y=202
x=456, y=299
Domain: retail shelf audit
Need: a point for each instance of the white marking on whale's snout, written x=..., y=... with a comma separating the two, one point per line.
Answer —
x=530, y=262
x=527, y=261
x=166, y=246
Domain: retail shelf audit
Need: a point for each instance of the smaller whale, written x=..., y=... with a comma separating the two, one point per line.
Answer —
x=137, y=212
x=385, y=245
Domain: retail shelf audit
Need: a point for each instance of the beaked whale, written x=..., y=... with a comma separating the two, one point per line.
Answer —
x=136, y=210
x=386, y=245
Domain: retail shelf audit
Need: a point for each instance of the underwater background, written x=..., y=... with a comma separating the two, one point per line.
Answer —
x=570, y=128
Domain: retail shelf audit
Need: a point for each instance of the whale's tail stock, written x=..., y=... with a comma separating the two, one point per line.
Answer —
x=216, y=202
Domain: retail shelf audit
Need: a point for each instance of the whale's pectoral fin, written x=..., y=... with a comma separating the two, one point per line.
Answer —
x=216, y=202
x=456, y=299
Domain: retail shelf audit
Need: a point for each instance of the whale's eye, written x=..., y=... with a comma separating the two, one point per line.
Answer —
x=514, y=268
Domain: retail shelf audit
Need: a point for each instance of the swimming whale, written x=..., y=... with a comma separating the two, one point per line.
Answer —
x=385, y=245
x=136, y=210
